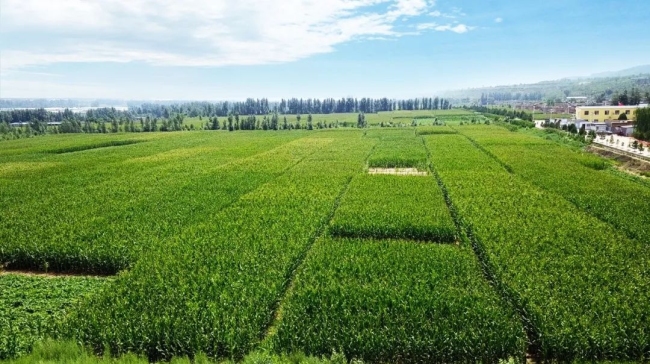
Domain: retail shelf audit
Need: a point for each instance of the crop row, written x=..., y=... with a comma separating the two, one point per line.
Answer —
x=581, y=286
x=97, y=211
x=216, y=286
x=397, y=301
x=31, y=308
x=579, y=177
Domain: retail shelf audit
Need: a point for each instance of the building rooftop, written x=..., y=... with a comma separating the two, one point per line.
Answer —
x=610, y=107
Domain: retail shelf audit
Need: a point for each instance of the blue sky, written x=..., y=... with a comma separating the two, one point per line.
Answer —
x=233, y=49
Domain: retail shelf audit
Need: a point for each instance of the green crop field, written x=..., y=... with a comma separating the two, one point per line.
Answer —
x=280, y=246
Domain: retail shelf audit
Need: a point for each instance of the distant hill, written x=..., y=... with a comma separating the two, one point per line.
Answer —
x=645, y=69
x=595, y=87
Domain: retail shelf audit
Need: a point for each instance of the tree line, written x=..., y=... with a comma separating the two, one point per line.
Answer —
x=292, y=106
x=252, y=114
x=633, y=97
x=25, y=123
x=113, y=121
x=492, y=97
x=509, y=113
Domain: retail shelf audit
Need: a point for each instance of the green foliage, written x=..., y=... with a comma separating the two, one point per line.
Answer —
x=397, y=301
x=397, y=149
x=573, y=175
x=79, y=148
x=221, y=239
x=508, y=113
x=385, y=206
x=56, y=352
x=31, y=308
x=642, y=125
x=215, y=286
x=103, y=208
x=435, y=130
x=580, y=285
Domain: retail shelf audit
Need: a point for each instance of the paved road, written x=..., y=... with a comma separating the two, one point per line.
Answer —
x=623, y=143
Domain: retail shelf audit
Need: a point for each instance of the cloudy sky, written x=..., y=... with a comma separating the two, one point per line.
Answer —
x=233, y=49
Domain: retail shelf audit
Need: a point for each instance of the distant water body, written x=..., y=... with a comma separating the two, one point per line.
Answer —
x=77, y=110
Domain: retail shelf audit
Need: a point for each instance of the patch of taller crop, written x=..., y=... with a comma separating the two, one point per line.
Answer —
x=398, y=149
x=397, y=207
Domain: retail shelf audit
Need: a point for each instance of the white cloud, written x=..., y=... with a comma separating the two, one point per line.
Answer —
x=498, y=20
x=435, y=14
x=408, y=8
x=192, y=32
x=460, y=28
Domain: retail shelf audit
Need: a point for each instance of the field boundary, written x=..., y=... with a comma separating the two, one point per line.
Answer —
x=507, y=295
x=624, y=153
x=81, y=148
x=489, y=154
x=41, y=268
x=271, y=329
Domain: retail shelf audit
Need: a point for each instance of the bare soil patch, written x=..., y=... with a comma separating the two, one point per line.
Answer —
x=625, y=163
x=398, y=171
x=26, y=273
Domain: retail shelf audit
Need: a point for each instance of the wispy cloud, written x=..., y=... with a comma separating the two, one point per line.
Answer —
x=498, y=20
x=458, y=28
x=195, y=32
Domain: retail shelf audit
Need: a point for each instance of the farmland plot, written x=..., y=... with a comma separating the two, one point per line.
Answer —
x=385, y=206
x=580, y=178
x=98, y=222
x=582, y=286
x=397, y=301
x=215, y=288
x=234, y=241
x=397, y=149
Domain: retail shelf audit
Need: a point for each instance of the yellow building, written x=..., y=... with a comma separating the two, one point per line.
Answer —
x=602, y=113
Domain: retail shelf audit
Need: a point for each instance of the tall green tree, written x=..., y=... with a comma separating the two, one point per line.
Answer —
x=642, y=124
x=361, y=121
x=635, y=97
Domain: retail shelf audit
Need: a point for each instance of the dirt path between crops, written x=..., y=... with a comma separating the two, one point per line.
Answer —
x=25, y=273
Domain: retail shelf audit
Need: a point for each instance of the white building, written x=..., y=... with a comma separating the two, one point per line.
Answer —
x=627, y=130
